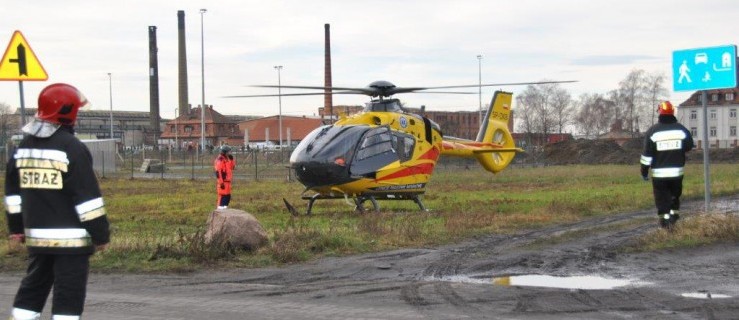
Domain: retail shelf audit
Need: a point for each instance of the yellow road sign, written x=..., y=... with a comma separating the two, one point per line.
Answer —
x=20, y=63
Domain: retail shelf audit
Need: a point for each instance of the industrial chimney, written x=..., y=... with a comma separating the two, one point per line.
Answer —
x=153, y=87
x=327, y=97
x=184, y=105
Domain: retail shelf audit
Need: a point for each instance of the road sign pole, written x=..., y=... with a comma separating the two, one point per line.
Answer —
x=706, y=149
x=23, y=105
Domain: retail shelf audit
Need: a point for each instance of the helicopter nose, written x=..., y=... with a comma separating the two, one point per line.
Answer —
x=315, y=174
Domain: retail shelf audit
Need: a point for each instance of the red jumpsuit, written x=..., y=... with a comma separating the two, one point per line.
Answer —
x=224, y=166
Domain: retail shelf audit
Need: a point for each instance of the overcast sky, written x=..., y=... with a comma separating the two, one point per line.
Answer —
x=407, y=42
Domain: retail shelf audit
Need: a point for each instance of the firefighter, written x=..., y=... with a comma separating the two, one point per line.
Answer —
x=224, y=166
x=54, y=206
x=665, y=145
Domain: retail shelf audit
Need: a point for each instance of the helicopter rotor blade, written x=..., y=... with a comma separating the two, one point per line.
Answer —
x=492, y=85
x=386, y=89
x=290, y=94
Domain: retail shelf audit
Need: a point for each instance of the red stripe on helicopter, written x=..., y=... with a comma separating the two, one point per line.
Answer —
x=424, y=168
x=432, y=154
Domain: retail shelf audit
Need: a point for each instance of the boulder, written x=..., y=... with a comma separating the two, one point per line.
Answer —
x=236, y=227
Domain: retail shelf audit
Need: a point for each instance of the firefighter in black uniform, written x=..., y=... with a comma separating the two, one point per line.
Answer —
x=54, y=205
x=665, y=145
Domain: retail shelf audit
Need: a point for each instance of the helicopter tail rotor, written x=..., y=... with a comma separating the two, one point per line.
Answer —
x=495, y=131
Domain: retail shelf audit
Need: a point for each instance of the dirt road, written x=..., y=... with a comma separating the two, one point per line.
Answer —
x=570, y=271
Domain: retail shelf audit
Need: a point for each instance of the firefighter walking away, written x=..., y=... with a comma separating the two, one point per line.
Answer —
x=665, y=145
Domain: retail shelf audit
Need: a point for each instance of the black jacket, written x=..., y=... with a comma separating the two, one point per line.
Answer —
x=52, y=195
x=665, y=145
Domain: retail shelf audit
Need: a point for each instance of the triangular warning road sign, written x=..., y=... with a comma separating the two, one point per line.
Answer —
x=20, y=63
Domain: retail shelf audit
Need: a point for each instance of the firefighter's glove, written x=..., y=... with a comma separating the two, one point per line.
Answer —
x=645, y=178
x=223, y=186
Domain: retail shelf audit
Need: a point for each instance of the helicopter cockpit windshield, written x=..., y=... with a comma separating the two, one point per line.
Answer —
x=390, y=105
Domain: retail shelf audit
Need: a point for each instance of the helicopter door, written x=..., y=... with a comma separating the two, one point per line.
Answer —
x=375, y=151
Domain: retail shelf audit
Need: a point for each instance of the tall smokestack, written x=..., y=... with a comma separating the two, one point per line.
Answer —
x=327, y=97
x=153, y=85
x=184, y=105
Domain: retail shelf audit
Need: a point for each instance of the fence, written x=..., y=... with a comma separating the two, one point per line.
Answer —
x=192, y=164
x=251, y=165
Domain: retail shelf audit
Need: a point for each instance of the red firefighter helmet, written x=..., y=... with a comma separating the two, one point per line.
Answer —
x=666, y=108
x=58, y=103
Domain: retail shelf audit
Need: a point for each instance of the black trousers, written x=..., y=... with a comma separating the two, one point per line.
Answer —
x=66, y=273
x=667, y=194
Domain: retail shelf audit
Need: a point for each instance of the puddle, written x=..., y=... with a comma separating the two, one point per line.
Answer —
x=544, y=281
x=705, y=295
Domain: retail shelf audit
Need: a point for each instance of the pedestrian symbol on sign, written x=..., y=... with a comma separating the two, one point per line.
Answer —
x=684, y=72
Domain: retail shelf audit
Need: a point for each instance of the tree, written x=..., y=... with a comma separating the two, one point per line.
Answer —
x=543, y=108
x=655, y=92
x=631, y=92
x=563, y=108
x=595, y=115
x=6, y=115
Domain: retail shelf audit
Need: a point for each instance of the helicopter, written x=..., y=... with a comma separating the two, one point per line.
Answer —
x=387, y=153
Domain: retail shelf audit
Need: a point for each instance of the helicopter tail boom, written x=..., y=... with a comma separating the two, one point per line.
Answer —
x=495, y=131
x=494, y=148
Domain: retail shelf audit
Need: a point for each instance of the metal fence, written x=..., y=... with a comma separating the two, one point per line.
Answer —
x=192, y=164
x=251, y=165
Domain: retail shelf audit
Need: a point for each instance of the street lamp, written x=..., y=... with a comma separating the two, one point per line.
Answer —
x=175, y=129
x=479, y=88
x=202, y=73
x=110, y=88
x=279, y=99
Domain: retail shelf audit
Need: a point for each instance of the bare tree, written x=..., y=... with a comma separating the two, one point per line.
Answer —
x=6, y=115
x=595, y=115
x=655, y=92
x=631, y=92
x=543, y=109
x=563, y=109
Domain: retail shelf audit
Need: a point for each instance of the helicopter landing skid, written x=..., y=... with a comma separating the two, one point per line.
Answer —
x=360, y=200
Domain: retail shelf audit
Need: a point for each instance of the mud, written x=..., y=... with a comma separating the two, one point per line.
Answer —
x=470, y=280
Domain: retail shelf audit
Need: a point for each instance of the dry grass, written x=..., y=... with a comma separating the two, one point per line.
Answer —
x=693, y=231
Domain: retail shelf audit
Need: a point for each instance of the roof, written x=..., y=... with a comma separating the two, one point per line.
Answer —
x=695, y=99
x=299, y=127
x=211, y=116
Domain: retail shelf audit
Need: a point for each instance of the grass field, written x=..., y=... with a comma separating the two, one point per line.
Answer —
x=158, y=225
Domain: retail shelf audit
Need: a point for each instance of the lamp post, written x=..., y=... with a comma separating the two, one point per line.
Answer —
x=175, y=130
x=202, y=73
x=279, y=99
x=110, y=88
x=479, y=88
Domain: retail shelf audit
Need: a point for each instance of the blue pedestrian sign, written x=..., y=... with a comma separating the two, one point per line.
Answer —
x=704, y=68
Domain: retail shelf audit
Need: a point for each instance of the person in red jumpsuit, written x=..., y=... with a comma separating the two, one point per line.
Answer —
x=224, y=166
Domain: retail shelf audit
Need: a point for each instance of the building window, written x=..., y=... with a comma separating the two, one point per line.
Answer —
x=730, y=96
x=693, y=131
x=713, y=132
x=173, y=129
x=188, y=129
x=693, y=114
x=713, y=115
x=732, y=113
x=732, y=131
x=714, y=97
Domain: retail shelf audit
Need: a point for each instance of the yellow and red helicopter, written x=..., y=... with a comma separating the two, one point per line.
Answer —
x=386, y=153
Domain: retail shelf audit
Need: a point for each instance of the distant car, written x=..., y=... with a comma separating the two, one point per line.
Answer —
x=701, y=58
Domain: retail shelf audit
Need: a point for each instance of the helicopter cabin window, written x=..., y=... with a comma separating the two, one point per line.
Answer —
x=404, y=144
x=376, y=142
x=376, y=150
